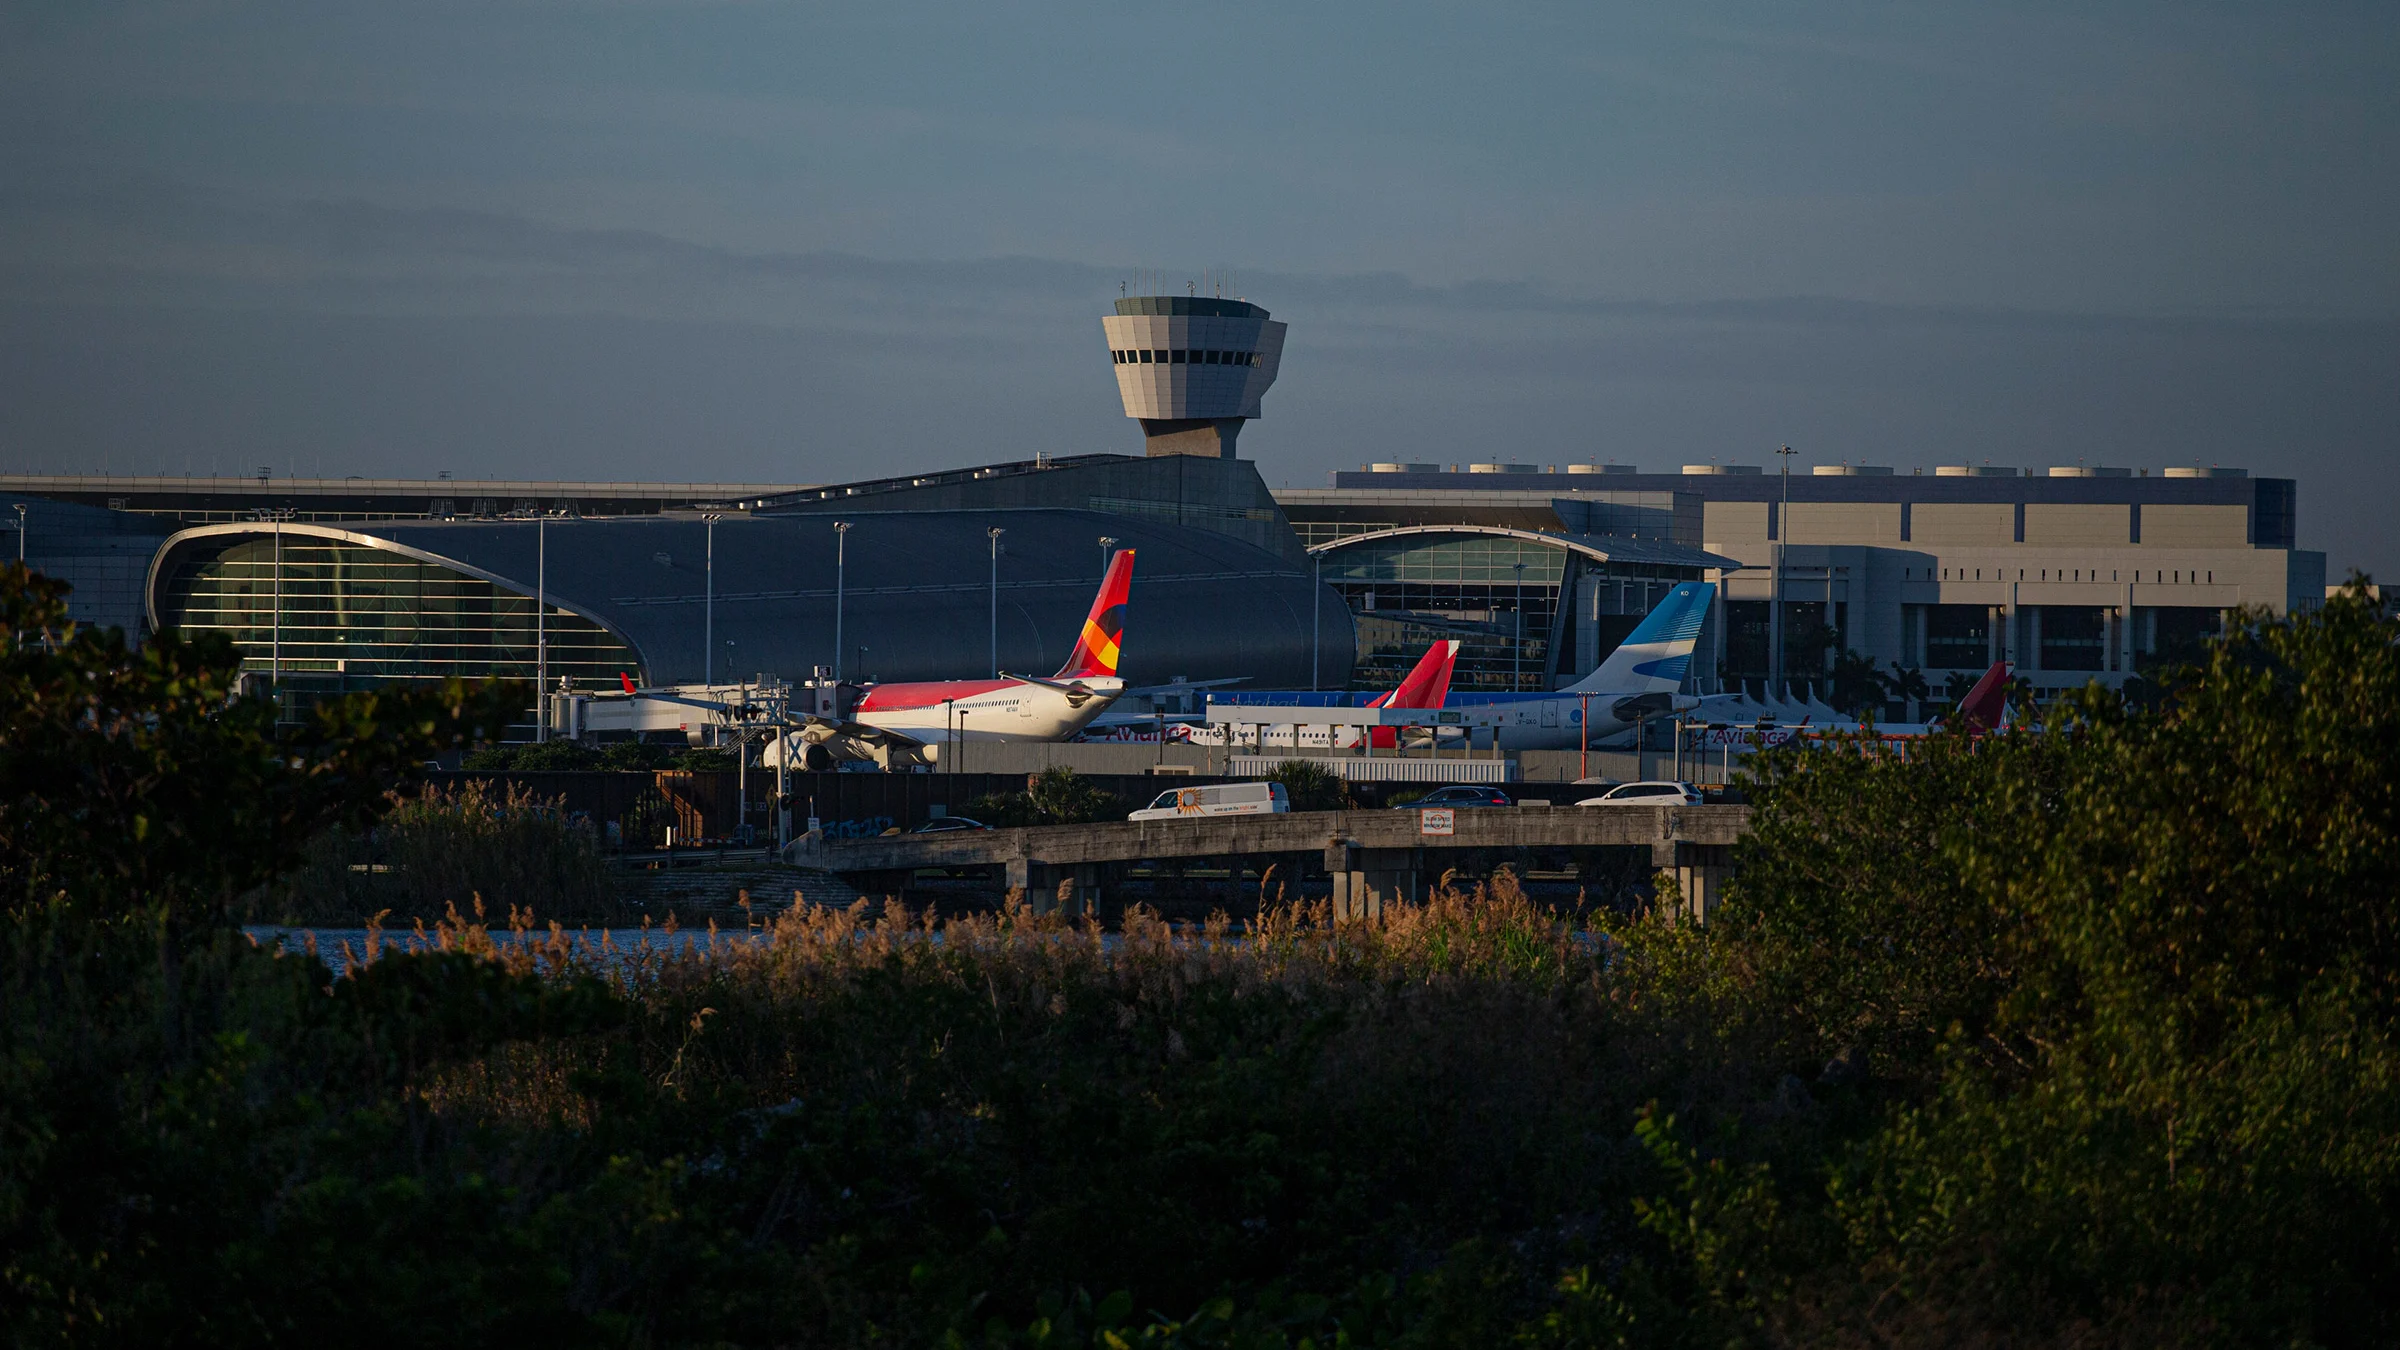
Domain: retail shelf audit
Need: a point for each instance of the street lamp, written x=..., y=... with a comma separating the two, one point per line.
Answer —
x=1316, y=627
x=541, y=628
x=1108, y=545
x=995, y=532
x=1783, y=533
x=708, y=634
x=275, y=619
x=841, y=559
x=1516, y=667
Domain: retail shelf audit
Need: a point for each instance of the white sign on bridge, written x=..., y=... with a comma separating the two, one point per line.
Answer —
x=1437, y=820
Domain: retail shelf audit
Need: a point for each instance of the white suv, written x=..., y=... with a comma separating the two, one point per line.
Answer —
x=1646, y=794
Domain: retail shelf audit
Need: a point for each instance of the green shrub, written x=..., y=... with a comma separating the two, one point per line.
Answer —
x=634, y=755
x=438, y=848
x=1054, y=796
x=1312, y=787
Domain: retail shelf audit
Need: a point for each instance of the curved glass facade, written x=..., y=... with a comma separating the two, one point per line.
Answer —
x=1529, y=615
x=331, y=614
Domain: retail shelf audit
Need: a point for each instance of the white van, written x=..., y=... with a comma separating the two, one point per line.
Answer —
x=1224, y=799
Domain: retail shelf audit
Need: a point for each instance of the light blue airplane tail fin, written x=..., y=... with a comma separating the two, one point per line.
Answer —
x=1657, y=654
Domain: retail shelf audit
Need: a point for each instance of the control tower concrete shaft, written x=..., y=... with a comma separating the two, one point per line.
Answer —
x=1192, y=368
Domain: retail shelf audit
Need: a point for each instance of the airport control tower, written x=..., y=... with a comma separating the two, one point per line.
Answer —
x=1192, y=368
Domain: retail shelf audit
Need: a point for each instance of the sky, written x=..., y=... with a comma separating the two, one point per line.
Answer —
x=713, y=240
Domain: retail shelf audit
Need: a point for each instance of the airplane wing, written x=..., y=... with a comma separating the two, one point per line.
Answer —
x=1062, y=686
x=862, y=732
x=1141, y=691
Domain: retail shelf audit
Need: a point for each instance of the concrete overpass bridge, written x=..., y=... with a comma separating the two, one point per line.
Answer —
x=1372, y=856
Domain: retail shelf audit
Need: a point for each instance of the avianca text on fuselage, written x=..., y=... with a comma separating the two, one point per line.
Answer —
x=1014, y=707
x=1425, y=686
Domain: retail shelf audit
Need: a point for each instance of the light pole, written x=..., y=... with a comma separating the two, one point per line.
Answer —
x=1583, y=741
x=1783, y=532
x=841, y=561
x=995, y=532
x=1316, y=629
x=708, y=632
x=275, y=620
x=1516, y=666
x=541, y=628
x=1108, y=546
x=20, y=534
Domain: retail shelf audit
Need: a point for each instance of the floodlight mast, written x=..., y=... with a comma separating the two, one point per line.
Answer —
x=841, y=557
x=541, y=628
x=708, y=631
x=1775, y=614
x=995, y=532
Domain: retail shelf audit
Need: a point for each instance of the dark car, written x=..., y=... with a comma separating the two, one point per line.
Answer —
x=1459, y=796
x=940, y=824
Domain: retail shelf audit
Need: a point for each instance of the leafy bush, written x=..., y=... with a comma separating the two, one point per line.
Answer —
x=1054, y=796
x=437, y=849
x=1312, y=787
x=635, y=755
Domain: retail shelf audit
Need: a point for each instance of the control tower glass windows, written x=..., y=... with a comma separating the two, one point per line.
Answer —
x=1138, y=356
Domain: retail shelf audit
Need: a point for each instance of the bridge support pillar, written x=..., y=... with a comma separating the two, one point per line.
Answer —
x=1067, y=888
x=1699, y=871
x=1367, y=879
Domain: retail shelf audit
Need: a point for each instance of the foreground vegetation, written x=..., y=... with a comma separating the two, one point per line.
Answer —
x=2081, y=1039
x=435, y=848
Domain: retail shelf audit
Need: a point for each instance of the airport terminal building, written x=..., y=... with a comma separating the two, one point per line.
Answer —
x=2072, y=573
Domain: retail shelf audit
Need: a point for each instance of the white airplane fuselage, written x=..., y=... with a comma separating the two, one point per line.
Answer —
x=939, y=712
x=1556, y=721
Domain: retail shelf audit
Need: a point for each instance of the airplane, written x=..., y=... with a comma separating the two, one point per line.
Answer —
x=1425, y=686
x=904, y=724
x=1639, y=681
x=1743, y=721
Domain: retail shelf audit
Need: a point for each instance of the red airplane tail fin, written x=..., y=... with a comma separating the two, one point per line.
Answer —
x=1426, y=686
x=1103, y=638
x=626, y=680
x=1980, y=710
x=1429, y=683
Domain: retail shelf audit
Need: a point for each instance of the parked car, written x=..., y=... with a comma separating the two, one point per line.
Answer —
x=1458, y=796
x=943, y=824
x=1646, y=794
x=1221, y=799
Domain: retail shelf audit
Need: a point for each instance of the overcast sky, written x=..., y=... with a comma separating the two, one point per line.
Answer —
x=782, y=243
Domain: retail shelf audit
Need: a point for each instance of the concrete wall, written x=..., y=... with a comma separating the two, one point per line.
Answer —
x=1953, y=523
x=2195, y=526
x=2078, y=525
x=1844, y=523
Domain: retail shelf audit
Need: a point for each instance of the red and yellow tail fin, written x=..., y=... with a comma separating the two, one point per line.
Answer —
x=1096, y=651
